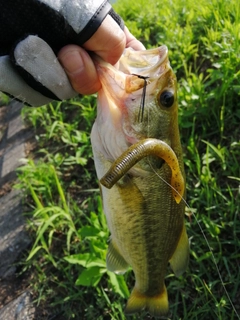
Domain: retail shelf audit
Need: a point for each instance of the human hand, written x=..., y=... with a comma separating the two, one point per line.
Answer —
x=108, y=42
x=31, y=35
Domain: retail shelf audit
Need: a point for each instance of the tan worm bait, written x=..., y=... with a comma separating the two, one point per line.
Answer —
x=139, y=151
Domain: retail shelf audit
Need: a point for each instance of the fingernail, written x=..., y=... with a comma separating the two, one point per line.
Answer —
x=72, y=62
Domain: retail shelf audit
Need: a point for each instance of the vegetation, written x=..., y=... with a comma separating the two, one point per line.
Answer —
x=66, y=220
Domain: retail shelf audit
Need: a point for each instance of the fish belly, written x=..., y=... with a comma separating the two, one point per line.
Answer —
x=145, y=224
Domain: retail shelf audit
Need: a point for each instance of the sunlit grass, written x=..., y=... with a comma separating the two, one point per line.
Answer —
x=65, y=214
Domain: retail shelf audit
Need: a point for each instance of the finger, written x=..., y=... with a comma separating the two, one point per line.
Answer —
x=108, y=41
x=132, y=42
x=80, y=69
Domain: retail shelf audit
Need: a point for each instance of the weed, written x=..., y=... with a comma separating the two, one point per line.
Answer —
x=65, y=215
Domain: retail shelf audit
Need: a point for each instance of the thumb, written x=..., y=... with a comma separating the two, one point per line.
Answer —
x=80, y=69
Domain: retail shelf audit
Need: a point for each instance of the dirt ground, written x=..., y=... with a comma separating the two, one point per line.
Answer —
x=12, y=287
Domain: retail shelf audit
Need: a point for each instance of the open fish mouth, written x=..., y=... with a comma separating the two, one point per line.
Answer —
x=143, y=67
x=140, y=150
x=145, y=63
x=134, y=67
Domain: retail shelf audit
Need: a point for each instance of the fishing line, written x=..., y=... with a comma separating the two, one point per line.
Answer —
x=142, y=102
x=202, y=231
x=205, y=238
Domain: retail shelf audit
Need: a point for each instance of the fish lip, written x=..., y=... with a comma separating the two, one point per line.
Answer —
x=147, y=68
x=145, y=63
x=136, y=69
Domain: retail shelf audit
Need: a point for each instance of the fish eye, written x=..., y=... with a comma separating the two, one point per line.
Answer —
x=166, y=99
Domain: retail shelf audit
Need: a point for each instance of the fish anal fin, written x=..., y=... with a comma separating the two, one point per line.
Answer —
x=156, y=305
x=180, y=258
x=115, y=261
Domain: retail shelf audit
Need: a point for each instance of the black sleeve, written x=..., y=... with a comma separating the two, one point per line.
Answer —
x=20, y=18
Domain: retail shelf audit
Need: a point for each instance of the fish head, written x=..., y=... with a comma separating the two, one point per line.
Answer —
x=138, y=100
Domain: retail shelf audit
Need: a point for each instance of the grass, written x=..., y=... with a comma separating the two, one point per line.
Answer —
x=66, y=220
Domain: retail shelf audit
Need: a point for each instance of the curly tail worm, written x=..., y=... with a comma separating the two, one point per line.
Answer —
x=138, y=151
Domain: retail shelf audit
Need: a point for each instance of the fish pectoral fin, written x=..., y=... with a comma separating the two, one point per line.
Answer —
x=180, y=258
x=156, y=305
x=115, y=261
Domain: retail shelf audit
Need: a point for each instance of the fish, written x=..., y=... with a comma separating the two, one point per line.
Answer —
x=138, y=159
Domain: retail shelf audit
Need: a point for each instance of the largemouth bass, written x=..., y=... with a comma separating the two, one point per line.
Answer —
x=138, y=159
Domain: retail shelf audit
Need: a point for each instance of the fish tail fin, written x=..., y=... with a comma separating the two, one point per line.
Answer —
x=156, y=305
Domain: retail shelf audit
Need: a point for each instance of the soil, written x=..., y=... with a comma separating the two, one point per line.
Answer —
x=13, y=287
x=14, y=283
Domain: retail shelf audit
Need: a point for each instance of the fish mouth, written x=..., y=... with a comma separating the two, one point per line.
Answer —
x=145, y=62
x=133, y=68
x=143, y=67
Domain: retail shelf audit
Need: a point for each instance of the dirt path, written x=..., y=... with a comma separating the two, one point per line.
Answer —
x=15, y=297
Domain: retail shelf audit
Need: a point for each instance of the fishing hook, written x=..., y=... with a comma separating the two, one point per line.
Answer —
x=142, y=102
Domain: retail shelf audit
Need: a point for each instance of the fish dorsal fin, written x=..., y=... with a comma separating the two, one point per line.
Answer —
x=179, y=260
x=115, y=261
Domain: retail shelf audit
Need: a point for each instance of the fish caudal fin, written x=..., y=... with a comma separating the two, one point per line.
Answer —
x=115, y=261
x=179, y=260
x=156, y=305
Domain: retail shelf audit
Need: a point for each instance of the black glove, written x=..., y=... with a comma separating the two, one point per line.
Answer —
x=31, y=34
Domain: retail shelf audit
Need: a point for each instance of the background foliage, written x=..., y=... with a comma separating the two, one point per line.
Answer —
x=69, y=231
